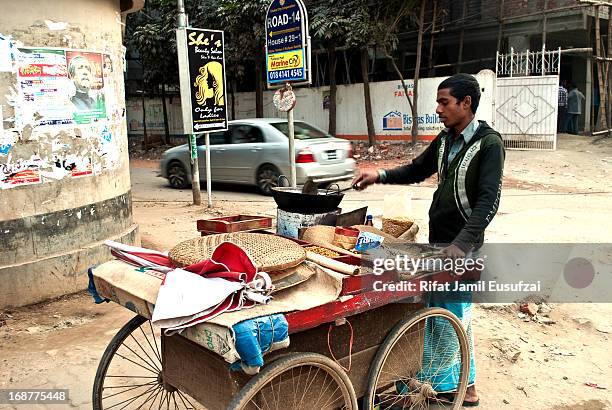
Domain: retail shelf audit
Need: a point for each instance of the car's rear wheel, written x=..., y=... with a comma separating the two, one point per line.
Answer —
x=177, y=175
x=267, y=178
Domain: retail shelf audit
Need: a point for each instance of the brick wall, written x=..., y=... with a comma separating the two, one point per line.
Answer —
x=519, y=7
x=483, y=10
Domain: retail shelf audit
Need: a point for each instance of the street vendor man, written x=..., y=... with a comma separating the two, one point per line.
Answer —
x=468, y=156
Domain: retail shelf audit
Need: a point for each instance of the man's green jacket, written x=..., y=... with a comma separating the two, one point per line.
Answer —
x=469, y=188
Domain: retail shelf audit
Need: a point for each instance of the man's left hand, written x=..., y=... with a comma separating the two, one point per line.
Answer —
x=453, y=252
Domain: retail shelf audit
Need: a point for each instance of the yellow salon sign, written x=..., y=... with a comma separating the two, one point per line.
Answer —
x=289, y=60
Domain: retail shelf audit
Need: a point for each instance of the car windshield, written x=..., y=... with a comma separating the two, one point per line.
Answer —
x=303, y=131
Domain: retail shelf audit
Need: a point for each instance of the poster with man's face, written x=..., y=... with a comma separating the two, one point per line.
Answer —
x=85, y=71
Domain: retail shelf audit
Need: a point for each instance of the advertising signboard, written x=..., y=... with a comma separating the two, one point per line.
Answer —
x=287, y=43
x=202, y=80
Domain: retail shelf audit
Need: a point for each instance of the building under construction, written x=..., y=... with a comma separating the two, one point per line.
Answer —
x=466, y=36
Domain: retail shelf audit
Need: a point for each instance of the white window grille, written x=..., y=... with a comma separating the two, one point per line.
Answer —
x=528, y=63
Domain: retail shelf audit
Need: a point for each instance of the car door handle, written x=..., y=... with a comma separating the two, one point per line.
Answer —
x=256, y=149
x=220, y=149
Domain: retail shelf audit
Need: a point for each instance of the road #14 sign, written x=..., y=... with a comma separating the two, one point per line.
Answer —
x=287, y=42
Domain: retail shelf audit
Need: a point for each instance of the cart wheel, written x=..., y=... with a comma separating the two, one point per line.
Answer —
x=298, y=381
x=130, y=373
x=405, y=374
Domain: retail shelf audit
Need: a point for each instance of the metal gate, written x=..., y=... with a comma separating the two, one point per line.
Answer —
x=526, y=99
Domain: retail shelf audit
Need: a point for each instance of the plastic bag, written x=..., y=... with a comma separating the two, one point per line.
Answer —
x=397, y=217
x=398, y=205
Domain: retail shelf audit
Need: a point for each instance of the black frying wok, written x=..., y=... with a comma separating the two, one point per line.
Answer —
x=293, y=200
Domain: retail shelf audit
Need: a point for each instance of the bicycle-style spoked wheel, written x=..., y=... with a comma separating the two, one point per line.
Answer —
x=130, y=373
x=298, y=381
x=422, y=364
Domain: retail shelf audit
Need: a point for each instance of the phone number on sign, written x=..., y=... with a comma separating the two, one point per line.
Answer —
x=22, y=396
x=297, y=73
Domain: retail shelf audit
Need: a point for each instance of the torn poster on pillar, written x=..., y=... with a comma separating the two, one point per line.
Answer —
x=85, y=70
x=108, y=151
x=81, y=168
x=73, y=165
x=59, y=87
x=43, y=88
x=67, y=103
x=20, y=173
x=7, y=140
x=114, y=112
x=6, y=54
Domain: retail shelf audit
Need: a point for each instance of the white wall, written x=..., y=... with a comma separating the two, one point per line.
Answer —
x=387, y=97
x=154, y=116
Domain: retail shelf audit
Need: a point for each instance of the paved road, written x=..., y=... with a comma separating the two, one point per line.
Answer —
x=524, y=215
x=147, y=186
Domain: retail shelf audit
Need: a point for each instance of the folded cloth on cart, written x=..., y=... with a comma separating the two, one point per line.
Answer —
x=137, y=289
x=141, y=257
x=324, y=287
x=227, y=281
x=256, y=337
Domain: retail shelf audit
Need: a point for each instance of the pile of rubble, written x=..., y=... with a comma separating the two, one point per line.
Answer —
x=136, y=151
x=535, y=312
x=385, y=151
x=527, y=311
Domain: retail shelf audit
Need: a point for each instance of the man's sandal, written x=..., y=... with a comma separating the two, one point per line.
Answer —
x=447, y=398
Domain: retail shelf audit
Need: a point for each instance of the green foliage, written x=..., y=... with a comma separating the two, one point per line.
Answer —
x=388, y=18
x=352, y=23
x=330, y=20
x=359, y=23
x=151, y=32
x=245, y=32
x=360, y=28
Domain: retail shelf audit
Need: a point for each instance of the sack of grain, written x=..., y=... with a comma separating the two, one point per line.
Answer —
x=319, y=234
x=397, y=225
x=323, y=236
x=345, y=237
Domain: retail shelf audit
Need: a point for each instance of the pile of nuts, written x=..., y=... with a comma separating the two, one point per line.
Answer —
x=323, y=251
x=396, y=226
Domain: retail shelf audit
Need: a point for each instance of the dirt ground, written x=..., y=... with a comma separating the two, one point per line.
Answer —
x=560, y=363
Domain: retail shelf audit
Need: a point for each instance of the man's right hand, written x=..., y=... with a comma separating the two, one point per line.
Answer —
x=365, y=178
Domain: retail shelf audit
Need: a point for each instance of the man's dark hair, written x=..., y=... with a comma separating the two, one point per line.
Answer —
x=462, y=85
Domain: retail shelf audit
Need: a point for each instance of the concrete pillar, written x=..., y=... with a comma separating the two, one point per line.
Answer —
x=64, y=174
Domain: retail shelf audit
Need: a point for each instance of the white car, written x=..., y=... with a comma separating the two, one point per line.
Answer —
x=256, y=152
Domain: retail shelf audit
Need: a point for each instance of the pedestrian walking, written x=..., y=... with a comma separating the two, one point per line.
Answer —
x=574, y=109
x=562, y=112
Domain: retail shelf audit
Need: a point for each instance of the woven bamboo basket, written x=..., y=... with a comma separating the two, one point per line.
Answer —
x=269, y=252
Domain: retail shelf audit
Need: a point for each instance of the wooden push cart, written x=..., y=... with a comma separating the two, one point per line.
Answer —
x=365, y=350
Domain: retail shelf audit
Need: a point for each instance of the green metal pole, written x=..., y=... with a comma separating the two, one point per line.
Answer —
x=195, y=171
